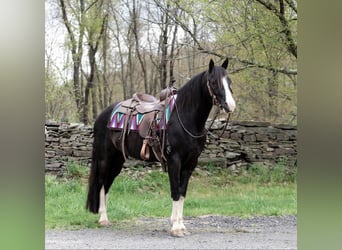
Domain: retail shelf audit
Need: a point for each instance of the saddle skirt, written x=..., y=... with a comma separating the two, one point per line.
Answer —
x=137, y=116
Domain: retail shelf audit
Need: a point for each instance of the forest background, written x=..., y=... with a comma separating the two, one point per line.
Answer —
x=101, y=51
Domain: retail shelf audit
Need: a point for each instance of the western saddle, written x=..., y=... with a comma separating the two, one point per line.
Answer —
x=153, y=111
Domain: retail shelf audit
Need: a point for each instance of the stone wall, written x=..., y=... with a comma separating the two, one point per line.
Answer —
x=243, y=143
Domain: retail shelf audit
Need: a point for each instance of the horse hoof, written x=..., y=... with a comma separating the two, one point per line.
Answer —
x=180, y=232
x=177, y=233
x=186, y=232
x=104, y=223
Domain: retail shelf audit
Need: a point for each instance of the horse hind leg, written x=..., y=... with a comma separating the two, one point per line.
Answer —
x=103, y=199
x=103, y=208
x=108, y=176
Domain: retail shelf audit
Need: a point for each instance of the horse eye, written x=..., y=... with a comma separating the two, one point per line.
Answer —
x=215, y=84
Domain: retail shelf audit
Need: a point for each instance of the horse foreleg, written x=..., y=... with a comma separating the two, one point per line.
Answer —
x=103, y=208
x=178, y=229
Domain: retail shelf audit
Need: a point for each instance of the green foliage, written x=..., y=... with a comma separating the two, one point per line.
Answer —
x=269, y=175
x=59, y=102
x=212, y=168
x=249, y=33
x=258, y=192
x=75, y=170
x=255, y=38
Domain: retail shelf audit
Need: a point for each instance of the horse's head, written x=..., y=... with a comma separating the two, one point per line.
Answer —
x=219, y=85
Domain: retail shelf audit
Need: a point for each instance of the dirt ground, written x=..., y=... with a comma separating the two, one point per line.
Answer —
x=207, y=232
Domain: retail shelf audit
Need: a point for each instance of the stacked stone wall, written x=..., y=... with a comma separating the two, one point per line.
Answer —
x=243, y=143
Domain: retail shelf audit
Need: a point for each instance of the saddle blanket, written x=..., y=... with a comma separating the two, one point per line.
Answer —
x=117, y=119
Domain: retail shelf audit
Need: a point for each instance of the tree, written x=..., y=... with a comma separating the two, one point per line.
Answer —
x=279, y=12
x=121, y=47
x=95, y=24
x=75, y=28
x=136, y=28
x=258, y=37
x=84, y=20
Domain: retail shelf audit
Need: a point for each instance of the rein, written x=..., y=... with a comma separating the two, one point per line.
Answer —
x=187, y=131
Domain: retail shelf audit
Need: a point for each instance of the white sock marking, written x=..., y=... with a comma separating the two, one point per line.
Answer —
x=177, y=215
x=103, y=205
x=229, y=97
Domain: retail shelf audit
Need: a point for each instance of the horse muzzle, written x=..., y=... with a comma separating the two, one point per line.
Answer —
x=229, y=108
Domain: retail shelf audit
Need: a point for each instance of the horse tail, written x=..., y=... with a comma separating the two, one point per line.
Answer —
x=94, y=185
x=96, y=180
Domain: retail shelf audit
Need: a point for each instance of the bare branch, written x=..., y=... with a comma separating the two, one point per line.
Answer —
x=91, y=5
x=68, y=26
x=292, y=5
x=251, y=64
x=291, y=45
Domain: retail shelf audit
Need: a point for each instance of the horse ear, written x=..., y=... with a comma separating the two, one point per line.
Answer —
x=211, y=65
x=225, y=63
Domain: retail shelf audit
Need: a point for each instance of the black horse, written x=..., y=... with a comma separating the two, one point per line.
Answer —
x=185, y=135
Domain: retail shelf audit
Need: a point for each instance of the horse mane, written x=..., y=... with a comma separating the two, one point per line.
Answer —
x=186, y=93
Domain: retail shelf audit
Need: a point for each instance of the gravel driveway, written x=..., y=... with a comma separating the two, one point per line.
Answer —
x=207, y=232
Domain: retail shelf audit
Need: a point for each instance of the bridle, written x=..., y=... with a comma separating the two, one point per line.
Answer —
x=215, y=103
x=219, y=107
x=213, y=96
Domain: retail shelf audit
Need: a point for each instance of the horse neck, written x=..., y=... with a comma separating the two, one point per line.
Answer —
x=195, y=102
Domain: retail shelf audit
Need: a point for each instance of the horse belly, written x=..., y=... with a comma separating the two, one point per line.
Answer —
x=133, y=145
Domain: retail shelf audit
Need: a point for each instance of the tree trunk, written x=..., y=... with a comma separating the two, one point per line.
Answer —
x=137, y=44
x=94, y=103
x=172, y=56
x=105, y=94
x=272, y=96
x=76, y=51
x=163, y=73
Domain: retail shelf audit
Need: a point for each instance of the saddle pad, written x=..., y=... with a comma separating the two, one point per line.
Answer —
x=118, y=117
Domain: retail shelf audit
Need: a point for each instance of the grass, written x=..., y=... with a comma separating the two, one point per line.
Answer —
x=259, y=191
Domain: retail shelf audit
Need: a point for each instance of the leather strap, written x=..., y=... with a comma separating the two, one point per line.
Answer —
x=145, y=150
